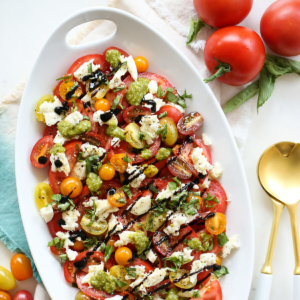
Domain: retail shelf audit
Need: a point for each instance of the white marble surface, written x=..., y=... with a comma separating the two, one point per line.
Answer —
x=24, y=27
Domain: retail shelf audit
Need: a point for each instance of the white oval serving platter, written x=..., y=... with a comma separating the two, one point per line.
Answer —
x=137, y=38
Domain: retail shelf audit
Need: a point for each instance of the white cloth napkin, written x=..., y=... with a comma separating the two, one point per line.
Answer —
x=172, y=19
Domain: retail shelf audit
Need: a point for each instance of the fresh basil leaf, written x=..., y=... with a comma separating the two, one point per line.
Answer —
x=211, y=245
x=195, y=27
x=162, y=115
x=159, y=90
x=185, y=95
x=93, y=164
x=172, y=98
x=249, y=92
x=56, y=197
x=64, y=206
x=127, y=190
x=210, y=198
x=167, y=90
x=64, y=257
x=266, y=86
x=122, y=200
x=222, y=271
x=79, y=157
x=182, y=103
x=89, y=242
x=285, y=62
x=172, y=185
x=115, y=103
x=196, y=294
x=130, y=272
x=102, y=247
x=277, y=70
x=120, y=283
x=177, y=181
x=222, y=239
x=91, y=214
x=127, y=159
x=108, y=251
x=153, y=189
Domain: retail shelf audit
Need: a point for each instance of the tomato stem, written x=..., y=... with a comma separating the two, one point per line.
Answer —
x=221, y=68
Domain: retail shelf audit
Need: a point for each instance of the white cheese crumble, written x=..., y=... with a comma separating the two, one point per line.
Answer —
x=131, y=66
x=151, y=256
x=156, y=277
x=206, y=183
x=115, y=142
x=150, y=124
x=70, y=217
x=124, y=238
x=103, y=208
x=141, y=206
x=200, y=162
x=186, y=255
x=97, y=118
x=74, y=118
x=71, y=254
x=157, y=297
x=116, y=297
x=206, y=140
x=196, y=187
x=59, y=139
x=133, y=171
x=139, y=271
x=63, y=159
x=90, y=150
x=93, y=270
x=67, y=244
x=152, y=87
x=233, y=243
x=47, y=109
x=79, y=170
x=86, y=98
x=112, y=223
x=168, y=193
x=83, y=69
x=180, y=108
x=90, y=202
x=47, y=213
x=177, y=220
x=206, y=259
x=116, y=80
x=216, y=171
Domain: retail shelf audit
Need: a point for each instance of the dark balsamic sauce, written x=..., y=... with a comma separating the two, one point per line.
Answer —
x=86, y=104
x=42, y=160
x=58, y=163
x=182, y=239
x=71, y=92
x=138, y=118
x=171, y=159
x=61, y=222
x=152, y=103
x=201, y=176
x=106, y=116
x=80, y=233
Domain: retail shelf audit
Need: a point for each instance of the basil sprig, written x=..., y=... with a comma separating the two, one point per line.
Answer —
x=195, y=27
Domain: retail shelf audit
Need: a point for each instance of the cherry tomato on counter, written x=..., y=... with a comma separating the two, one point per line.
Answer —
x=7, y=280
x=21, y=267
x=22, y=295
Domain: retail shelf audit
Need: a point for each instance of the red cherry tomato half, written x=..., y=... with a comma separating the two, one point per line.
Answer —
x=22, y=295
x=93, y=138
x=190, y=123
x=50, y=130
x=280, y=27
x=139, y=262
x=239, y=47
x=133, y=112
x=69, y=271
x=172, y=112
x=53, y=225
x=223, y=12
x=40, y=156
x=164, y=248
x=213, y=291
x=179, y=168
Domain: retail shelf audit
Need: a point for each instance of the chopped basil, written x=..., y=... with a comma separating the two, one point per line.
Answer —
x=196, y=294
x=86, y=118
x=119, y=88
x=172, y=185
x=127, y=190
x=89, y=242
x=210, y=198
x=116, y=103
x=163, y=131
x=91, y=214
x=90, y=69
x=222, y=271
x=172, y=98
x=163, y=115
x=64, y=257
x=64, y=77
x=122, y=200
x=222, y=239
x=120, y=283
x=66, y=202
x=192, y=206
x=195, y=27
x=57, y=243
x=153, y=189
x=130, y=272
x=74, y=108
x=93, y=164
x=108, y=251
x=127, y=159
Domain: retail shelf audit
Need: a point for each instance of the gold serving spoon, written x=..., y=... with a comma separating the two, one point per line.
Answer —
x=278, y=172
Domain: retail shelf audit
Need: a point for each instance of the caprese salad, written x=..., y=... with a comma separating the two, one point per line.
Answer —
x=132, y=200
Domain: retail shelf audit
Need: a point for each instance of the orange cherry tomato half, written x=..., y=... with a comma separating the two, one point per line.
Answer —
x=141, y=64
x=112, y=240
x=122, y=255
x=217, y=224
x=102, y=104
x=66, y=86
x=107, y=172
x=118, y=163
x=117, y=199
x=78, y=246
x=71, y=186
x=4, y=295
x=21, y=267
x=219, y=260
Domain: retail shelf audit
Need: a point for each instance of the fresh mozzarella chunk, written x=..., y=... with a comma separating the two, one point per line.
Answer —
x=117, y=297
x=206, y=183
x=206, y=259
x=114, y=224
x=71, y=254
x=90, y=202
x=125, y=238
x=47, y=109
x=115, y=142
x=148, y=96
x=167, y=193
x=116, y=80
x=131, y=66
x=200, y=161
x=206, y=140
x=233, y=243
x=159, y=103
x=74, y=118
x=150, y=124
x=152, y=87
x=103, y=209
x=191, y=218
x=151, y=256
x=79, y=170
x=134, y=171
x=157, y=297
x=47, y=213
x=177, y=220
x=196, y=187
x=216, y=171
x=67, y=244
x=83, y=69
x=141, y=206
x=139, y=271
x=62, y=158
x=86, y=98
x=186, y=255
x=59, y=139
x=70, y=217
x=93, y=270
x=90, y=150
x=156, y=277
x=180, y=108
x=97, y=118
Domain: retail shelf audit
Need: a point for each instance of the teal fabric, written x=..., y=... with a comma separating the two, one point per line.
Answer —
x=11, y=228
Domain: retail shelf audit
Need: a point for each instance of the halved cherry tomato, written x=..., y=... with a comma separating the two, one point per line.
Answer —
x=117, y=199
x=139, y=262
x=71, y=186
x=118, y=163
x=69, y=271
x=78, y=246
x=163, y=248
x=53, y=225
x=141, y=64
x=122, y=255
x=40, y=156
x=20, y=266
x=217, y=224
x=172, y=112
x=219, y=260
x=178, y=167
x=108, y=185
x=190, y=123
x=93, y=138
x=215, y=189
x=112, y=240
x=107, y=172
x=66, y=86
x=82, y=296
x=212, y=292
x=50, y=130
x=132, y=113
x=55, y=251
x=55, y=180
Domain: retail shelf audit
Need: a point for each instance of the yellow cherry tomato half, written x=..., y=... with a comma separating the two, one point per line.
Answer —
x=68, y=86
x=102, y=104
x=184, y=283
x=94, y=228
x=118, y=163
x=141, y=64
x=107, y=172
x=117, y=199
x=217, y=224
x=7, y=280
x=21, y=267
x=120, y=273
x=219, y=260
x=46, y=98
x=82, y=296
x=122, y=255
x=71, y=186
x=4, y=295
x=42, y=194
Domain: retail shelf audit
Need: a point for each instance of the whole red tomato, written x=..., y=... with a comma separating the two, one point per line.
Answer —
x=236, y=50
x=280, y=27
x=22, y=295
x=222, y=13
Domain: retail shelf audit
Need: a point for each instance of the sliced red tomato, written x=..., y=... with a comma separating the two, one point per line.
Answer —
x=98, y=60
x=40, y=156
x=216, y=190
x=139, y=262
x=172, y=112
x=84, y=193
x=158, y=164
x=69, y=271
x=56, y=92
x=79, y=105
x=133, y=112
x=199, y=143
x=90, y=114
x=55, y=180
x=212, y=292
x=115, y=48
x=172, y=285
x=185, y=233
x=55, y=251
x=91, y=292
x=93, y=138
x=190, y=123
x=164, y=248
x=101, y=132
x=72, y=153
x=53, y=226
x=50, y=130
x=179, y=168
x=95, y=259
